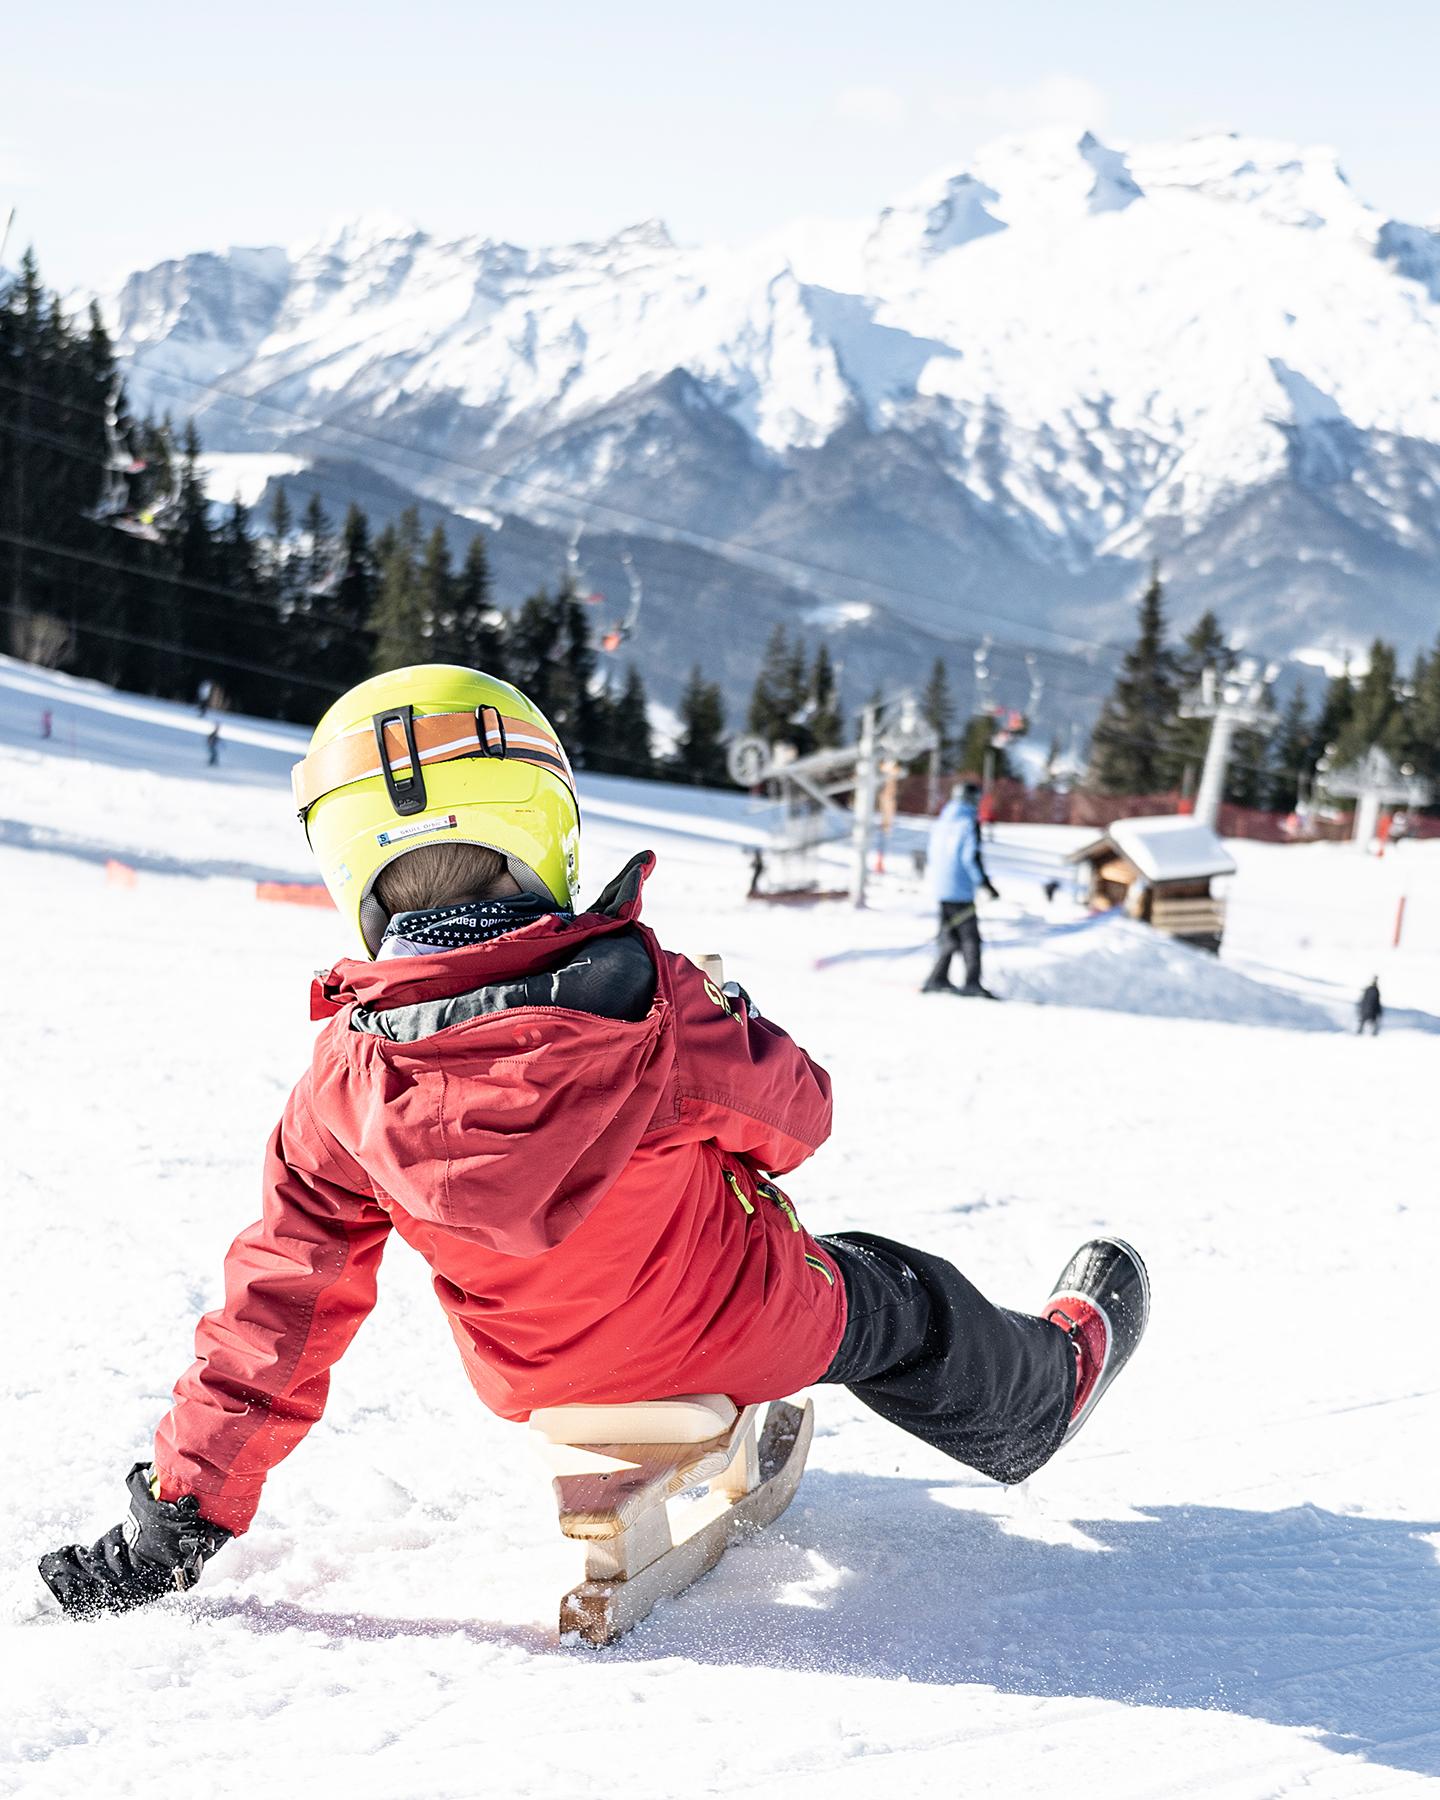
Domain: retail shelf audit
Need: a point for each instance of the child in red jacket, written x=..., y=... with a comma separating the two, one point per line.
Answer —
x=580, y=1133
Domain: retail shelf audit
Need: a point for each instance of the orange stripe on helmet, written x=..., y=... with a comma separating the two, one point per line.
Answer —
x=439, y=737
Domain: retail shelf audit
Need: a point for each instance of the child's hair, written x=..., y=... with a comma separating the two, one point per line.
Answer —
x=438, y=875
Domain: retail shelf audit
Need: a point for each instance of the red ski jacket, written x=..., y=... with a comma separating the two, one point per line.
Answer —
x=573, y=1127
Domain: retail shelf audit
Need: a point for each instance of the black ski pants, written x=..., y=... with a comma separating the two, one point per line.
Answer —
x=959, y=933
x=927, y=1351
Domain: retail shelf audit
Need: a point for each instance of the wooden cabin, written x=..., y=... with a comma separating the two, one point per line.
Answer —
x=1159, y=871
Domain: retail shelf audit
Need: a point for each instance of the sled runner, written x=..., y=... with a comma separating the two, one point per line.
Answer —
x=658, y=1490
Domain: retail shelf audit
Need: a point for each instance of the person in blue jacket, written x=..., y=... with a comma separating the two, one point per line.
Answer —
x=956, y=875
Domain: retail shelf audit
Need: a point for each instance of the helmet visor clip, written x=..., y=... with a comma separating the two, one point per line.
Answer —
x=407, y=792
x=482, y=731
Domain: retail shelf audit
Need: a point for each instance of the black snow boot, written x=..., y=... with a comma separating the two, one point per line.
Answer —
x=1102, y=1302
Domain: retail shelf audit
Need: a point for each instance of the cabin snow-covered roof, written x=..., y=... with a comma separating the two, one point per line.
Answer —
x=1172, y=847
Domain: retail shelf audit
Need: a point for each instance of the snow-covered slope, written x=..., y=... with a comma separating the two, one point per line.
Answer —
x=983, y=408
x=1228, y=1588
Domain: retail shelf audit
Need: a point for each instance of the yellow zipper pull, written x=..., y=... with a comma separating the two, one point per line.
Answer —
x=739, y=1192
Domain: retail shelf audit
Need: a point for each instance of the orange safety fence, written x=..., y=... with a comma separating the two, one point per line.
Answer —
x=294, y=893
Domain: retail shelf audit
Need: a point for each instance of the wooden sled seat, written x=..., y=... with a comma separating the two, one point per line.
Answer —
x=657, y=1490
x=687, y=1419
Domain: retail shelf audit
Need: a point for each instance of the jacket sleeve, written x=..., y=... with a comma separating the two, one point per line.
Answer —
x=298, y=1283
x=744, y=1082
x=970, y=854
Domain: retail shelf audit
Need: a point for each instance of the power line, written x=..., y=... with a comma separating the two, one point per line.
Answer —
x=580, y=510
x=88, y=455
x=191, y=583
x=764, y=561
x=204, y=657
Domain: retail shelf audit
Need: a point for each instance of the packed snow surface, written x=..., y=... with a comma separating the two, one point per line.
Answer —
x=1227, y=1587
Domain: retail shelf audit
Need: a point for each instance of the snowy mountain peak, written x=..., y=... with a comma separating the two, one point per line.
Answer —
x=1115, y=187
x=1272, y=178
x=936, y=222
x=355, y=235
x=1037, y=368
x=648, y=234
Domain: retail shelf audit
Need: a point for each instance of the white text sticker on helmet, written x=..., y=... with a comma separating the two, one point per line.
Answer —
x=418, y=829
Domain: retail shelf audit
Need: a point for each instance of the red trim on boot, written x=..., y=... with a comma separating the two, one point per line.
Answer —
x=1088, y=1329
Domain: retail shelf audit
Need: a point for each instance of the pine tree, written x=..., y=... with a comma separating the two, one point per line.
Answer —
x=399, y=622
x=318, y=574
x=826, y=725
x=937, y=705
x=628, y=748
x=1292, y=758
x=778, y=700
x=1131, y=750
x=977, y=747
x=473, y=633
x=436, y=583
x=247, y=632
x=199, y=622
x=797, y=700
x=534, y=645
x=700, y=750
x=581, y=718
x=1422, y=716
x=1334, y=715
x=1375, y=715
x=1203, y=647
x=352, y=649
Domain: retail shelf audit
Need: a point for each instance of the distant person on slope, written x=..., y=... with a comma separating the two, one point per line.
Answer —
x=956, y=874
x=1370, y=1011
x=579, y=1132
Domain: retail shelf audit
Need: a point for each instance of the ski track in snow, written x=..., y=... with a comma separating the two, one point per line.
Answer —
x=1230, y=1586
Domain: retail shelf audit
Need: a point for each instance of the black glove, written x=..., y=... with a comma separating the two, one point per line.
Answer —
x=992, y=890
x=160, y=1549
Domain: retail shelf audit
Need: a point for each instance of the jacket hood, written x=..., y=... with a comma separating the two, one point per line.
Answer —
x=530, y=950
x=507, y=1128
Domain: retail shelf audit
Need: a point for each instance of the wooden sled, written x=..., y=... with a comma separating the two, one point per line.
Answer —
x=657, y=1491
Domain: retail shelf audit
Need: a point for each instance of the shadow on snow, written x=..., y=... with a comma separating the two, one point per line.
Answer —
x=1303, y=1618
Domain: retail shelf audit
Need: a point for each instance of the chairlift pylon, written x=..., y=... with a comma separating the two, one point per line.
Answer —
x=116, y=506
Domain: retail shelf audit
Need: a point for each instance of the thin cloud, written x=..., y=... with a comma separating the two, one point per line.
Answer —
x=881, y=107
x=1057, y=99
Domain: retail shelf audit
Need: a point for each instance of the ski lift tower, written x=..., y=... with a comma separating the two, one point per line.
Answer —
x=1372, y=781
x=811, y=787
x=1239, y=701
x=893, y=731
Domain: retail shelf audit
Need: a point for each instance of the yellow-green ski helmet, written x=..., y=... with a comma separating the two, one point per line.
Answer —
x=428, y=755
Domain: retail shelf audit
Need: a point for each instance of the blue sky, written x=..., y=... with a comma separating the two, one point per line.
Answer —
x=132, y=133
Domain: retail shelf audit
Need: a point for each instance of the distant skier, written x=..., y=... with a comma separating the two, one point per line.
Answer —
x=47, y=724
x=1369, y=1011
x=212, y=745
x=957, y=874
x=757, y=871
x=579, y=1131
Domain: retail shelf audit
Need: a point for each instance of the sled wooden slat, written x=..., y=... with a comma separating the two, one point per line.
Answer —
x=603, y=1505
x=752, y=1489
